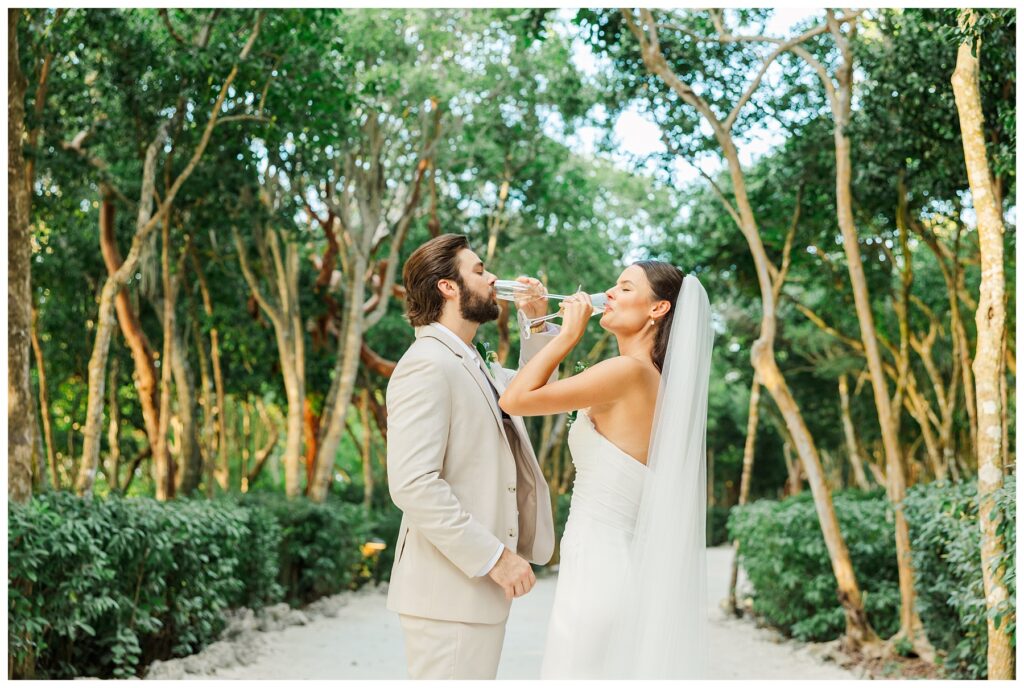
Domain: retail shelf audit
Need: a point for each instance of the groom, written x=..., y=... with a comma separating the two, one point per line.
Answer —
x=475, y=505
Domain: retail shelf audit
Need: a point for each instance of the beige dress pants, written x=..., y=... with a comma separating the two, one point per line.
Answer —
x=437, y=649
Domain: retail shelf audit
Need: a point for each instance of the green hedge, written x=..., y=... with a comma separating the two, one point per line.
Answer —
x=783, y=552
x=784, y=555
x=945, y=533
x=103, y=588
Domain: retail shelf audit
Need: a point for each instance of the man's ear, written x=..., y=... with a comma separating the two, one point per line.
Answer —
x=448, y=289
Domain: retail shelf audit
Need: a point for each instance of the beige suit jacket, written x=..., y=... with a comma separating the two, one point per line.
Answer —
x=462, y=486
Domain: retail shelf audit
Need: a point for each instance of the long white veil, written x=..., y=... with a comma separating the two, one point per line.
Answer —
x=663, y=629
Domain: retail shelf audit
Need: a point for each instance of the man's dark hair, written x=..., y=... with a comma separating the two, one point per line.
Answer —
x=433, y=261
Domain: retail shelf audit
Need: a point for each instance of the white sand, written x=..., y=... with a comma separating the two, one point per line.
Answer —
x=364, y=641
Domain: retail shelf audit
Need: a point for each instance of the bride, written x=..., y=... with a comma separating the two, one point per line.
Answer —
x=630, y=599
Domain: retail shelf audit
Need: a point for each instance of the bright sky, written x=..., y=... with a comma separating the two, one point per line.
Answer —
x=638, y=135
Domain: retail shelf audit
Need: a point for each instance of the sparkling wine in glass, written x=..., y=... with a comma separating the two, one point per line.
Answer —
x=598, y=302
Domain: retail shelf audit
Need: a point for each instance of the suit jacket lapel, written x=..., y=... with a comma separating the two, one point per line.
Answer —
x=471, y=366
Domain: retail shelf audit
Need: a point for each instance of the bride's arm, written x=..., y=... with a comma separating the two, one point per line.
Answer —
x=530, y=394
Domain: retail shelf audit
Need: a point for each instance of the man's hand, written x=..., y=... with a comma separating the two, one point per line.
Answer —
x=536, y=305
x=513, y=574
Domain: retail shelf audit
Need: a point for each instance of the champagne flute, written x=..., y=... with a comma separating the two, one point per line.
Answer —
x=513, y=290
x=598, y=301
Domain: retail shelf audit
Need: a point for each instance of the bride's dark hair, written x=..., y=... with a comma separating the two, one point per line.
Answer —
x=666, y=281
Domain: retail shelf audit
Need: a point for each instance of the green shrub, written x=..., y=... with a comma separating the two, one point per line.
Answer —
x=104, y=587
x=319, y=549
x=783, y=552
x=100, y=588
x=784, y=555
x=945, y=533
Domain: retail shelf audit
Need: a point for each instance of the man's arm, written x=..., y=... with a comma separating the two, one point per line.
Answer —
x=419, y=408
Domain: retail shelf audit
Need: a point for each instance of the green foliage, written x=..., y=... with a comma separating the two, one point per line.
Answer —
x=784, y=555
x=318, y=551
x=945, y=533
x=100, y=588
x=104, y=587
x=717, y=521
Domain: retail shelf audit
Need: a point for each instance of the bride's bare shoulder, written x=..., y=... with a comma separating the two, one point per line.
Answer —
x=628, y=365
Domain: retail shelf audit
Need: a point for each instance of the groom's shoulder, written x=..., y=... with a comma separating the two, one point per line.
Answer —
x=427, y=353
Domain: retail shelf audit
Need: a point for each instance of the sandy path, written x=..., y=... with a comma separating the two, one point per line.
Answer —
x=364, y=641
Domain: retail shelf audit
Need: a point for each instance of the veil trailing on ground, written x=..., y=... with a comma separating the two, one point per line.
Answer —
x=663, y=629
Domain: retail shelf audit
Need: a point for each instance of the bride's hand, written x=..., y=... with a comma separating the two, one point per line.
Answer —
x=576, y=311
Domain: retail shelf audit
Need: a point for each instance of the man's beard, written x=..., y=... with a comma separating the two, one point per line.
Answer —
x=474, y=308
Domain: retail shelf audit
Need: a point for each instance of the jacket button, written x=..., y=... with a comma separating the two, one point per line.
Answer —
x=511, y=533
x=512, y=489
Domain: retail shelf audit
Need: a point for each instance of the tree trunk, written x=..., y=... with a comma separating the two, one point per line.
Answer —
x=748, y=470
x=911, y=627
x=207, y=437
x=988, y=359
x=286, y=318
x=190, y=471
x=246, y=442
x=264, y=452
x=850, y=435
x=20, y=408
x=221, y=470
x=113, y=430
x=44, y=402
x=142, y=353
x=163, y=463
x=367, y=450
x=349, y=346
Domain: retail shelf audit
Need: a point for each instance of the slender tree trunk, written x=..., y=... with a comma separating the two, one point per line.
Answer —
x=20, y=408
x=911, y=627
x=40, y=476
x=44, y=402
x=207, y=436
x=850, y=435
x=264, y=452
x=966, y=365
x=246, y=441
x=367, y=453
x=349, y=346
x=217, y=412
x=163, y=463
x=190, y=472
x=286, y=318
x=142, y=354
x=113, y=430
x=988, y=359
x=748, y=470
x=311, y=433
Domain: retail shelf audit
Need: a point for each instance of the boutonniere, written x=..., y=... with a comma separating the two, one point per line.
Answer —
x=489, y=356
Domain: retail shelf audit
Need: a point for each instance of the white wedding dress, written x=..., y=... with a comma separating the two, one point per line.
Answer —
x=594, y=553
x=631, y=598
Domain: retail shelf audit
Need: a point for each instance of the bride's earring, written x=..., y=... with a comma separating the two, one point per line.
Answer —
x=651, y=324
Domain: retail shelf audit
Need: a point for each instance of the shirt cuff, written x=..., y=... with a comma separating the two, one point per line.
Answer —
x=494, y=560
